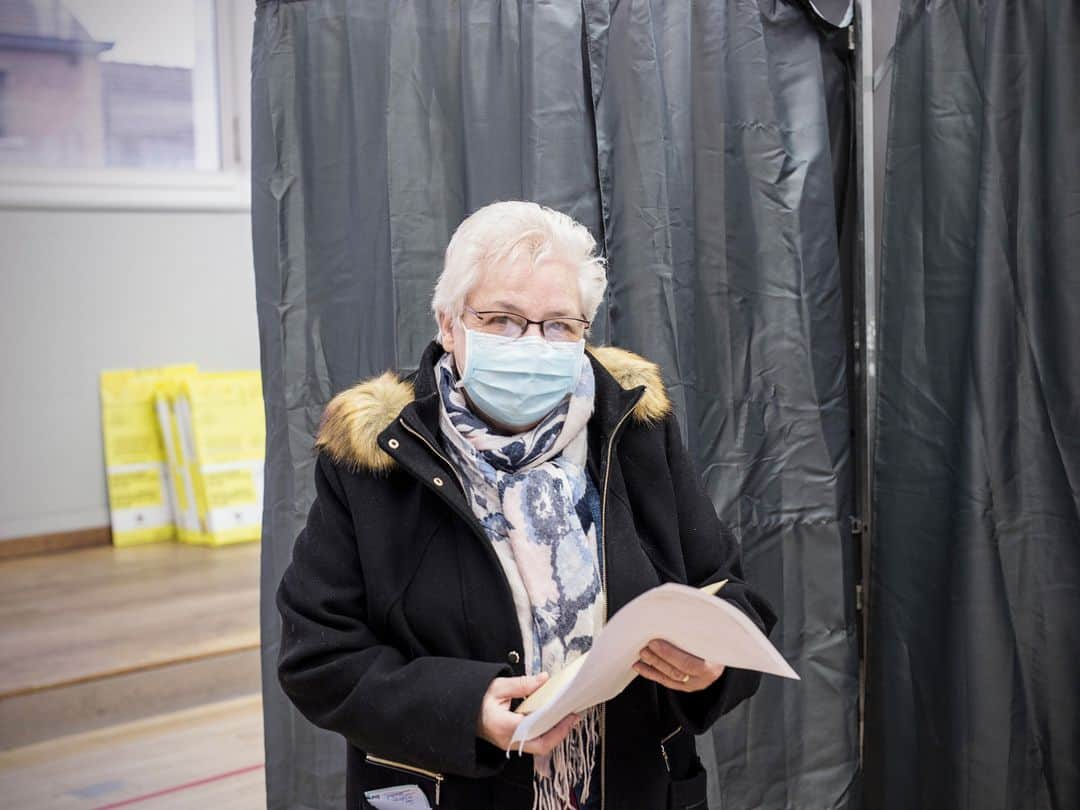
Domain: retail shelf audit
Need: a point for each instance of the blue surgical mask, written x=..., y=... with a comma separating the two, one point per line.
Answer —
x=519, y=381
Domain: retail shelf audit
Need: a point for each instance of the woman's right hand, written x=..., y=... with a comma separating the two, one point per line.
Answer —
x=497, y=723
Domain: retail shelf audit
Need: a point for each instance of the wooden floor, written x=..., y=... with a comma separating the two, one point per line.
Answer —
x=86, y=614
x=210, y=757
x=130, y=678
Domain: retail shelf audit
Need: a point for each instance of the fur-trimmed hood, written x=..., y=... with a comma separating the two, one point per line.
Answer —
x=353, y=419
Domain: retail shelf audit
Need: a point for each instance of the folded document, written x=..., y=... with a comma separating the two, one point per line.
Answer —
x=695, y=620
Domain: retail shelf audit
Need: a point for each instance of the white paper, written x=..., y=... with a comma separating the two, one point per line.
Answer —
x=703, y=625
x=395, y=798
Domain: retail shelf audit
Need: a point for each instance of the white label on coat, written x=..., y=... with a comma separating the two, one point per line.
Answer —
x=395, y=798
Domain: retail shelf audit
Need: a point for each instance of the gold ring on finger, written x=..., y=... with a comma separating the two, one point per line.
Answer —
x=686, y=677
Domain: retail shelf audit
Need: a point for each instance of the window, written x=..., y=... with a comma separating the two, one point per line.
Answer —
x=109, y=93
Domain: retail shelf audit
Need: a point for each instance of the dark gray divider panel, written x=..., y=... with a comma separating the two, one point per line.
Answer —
x=974, y=653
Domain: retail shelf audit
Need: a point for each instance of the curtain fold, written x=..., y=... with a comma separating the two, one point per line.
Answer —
x=694, y=140
x=716, y=175
x=974, y=658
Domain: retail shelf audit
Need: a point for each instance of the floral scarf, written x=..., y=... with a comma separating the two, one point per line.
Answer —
x=533, y=496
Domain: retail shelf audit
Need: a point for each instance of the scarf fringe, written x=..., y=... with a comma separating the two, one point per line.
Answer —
x=570, y=764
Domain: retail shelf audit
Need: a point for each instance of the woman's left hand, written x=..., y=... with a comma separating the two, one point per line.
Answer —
x=675, y=668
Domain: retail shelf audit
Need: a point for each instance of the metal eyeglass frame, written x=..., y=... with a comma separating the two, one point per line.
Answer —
x=543, y=330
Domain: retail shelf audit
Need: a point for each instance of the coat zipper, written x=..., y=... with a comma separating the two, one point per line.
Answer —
x=470, y=519
x=437, y=778
x=603, y=584
x=663, y=748
x=604, y=589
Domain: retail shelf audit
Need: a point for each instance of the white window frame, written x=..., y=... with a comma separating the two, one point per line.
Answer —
x=146, y=189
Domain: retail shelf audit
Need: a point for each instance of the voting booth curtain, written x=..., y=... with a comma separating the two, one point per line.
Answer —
x=707, y=146
x=973, y=698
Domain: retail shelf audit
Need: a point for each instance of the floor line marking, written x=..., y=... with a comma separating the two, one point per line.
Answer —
x=178, y=788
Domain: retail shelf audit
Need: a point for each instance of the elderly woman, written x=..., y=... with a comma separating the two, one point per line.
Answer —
x=475, y=525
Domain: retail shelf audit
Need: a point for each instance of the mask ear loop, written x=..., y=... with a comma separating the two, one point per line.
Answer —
x=459, y=377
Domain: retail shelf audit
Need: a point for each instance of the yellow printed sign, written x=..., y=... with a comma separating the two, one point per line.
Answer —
x=133, y=490
x=183, y=454
x=181, y=482
x=140, y=501
x=128, y=419
x=222, y=435
x=227, y=416
x=229, y=488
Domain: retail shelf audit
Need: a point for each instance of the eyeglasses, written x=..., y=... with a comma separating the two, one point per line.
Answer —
x=512, y=325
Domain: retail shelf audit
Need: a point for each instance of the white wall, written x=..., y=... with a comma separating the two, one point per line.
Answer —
x=87, y=290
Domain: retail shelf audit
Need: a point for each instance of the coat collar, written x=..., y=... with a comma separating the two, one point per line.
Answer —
x=354, y=419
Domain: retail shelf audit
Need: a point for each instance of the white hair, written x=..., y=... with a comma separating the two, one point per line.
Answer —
x=498, y=234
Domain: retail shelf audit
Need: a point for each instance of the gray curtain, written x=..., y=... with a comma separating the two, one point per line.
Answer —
x=694, y=140
x=973, y=697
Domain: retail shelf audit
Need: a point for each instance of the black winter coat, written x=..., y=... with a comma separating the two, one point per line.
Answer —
x=396, y=614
